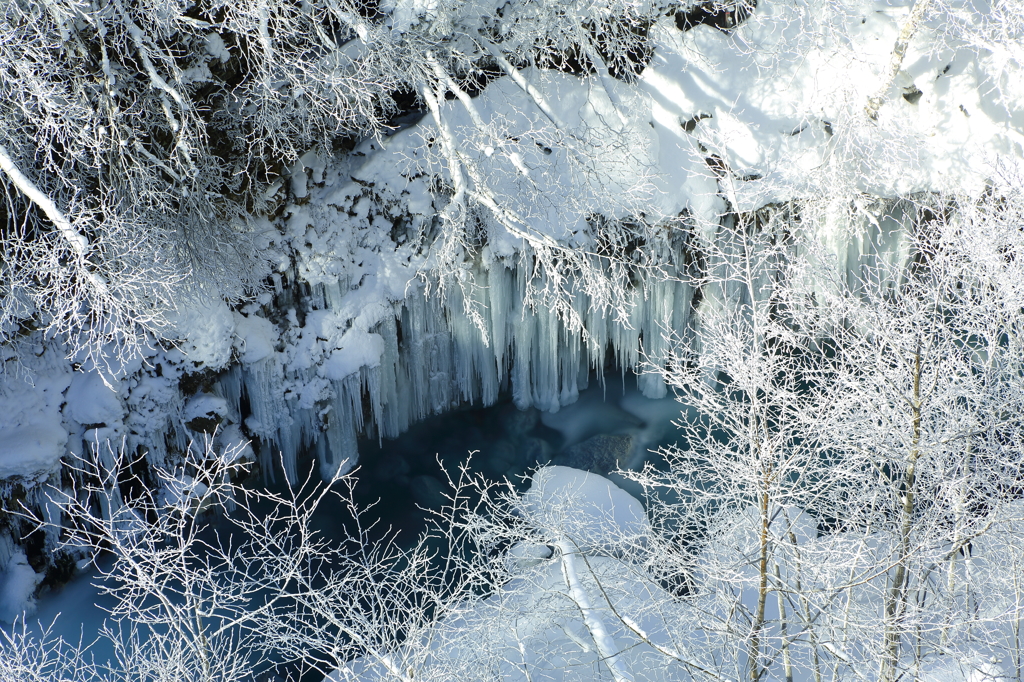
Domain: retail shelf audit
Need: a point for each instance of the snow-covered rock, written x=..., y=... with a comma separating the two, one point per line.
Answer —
x=32, y=430
x=590, y=511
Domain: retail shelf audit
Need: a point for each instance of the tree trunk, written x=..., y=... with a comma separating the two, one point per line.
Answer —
x=896, y=596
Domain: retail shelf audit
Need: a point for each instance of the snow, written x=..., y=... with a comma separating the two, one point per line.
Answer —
x=779, y=100
x=596, y=413
x=234, y=446
x=205, y=405
x=554, y=620
x=29, y=450
x=255, y=337
x=357, y=349
x=93, y=401
x=32, y=432
x=206, y=329
x=184, y=491
x=588, y=510
x=17, y=584
x=216, y=48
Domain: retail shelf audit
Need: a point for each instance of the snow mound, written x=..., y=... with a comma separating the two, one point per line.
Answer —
x=586, y=508
x=91, y=401
x=206, y=331
x=255, y=337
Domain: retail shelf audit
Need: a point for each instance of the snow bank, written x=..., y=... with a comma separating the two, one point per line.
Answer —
x=17, y=584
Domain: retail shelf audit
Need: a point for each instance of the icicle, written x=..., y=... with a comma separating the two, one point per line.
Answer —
x=229, y=387
x=568, y=368
x=475, y=363
x=339, y=450
x=6, y=549
x=501, y=289
x=522, y=339
x=288, y=451
x=657, y=329
x=435, y=357
x=441, y=369
x=318, y=296
x=597, y=326
x=625, y=334
x=387, y=412
x=545, y=370
x=334, y=292
x=264, y=386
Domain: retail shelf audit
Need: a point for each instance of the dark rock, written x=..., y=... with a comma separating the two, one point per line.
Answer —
x=537, y=451
x=598, y=454
x=517, y=423
x=204, y=412
x=427, y=491
x=499, y=458
x=912, y=94
x=725, y=16
x=206, y=424
x=391, y=467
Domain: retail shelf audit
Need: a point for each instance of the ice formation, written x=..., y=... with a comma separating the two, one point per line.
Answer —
x=426, y=356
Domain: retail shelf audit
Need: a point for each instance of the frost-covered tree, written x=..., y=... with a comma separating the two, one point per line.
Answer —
x=926, y=401
x=733, y=492
x=139, y=141
x=215, y=581
x=850, y=438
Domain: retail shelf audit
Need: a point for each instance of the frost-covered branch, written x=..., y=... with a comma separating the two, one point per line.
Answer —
x=899, y=51
x=606, y=645
x=76, y=241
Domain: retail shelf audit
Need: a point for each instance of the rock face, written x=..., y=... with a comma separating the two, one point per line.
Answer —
x=598, y=454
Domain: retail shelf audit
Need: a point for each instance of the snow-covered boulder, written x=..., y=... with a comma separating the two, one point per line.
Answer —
x=588, y=510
